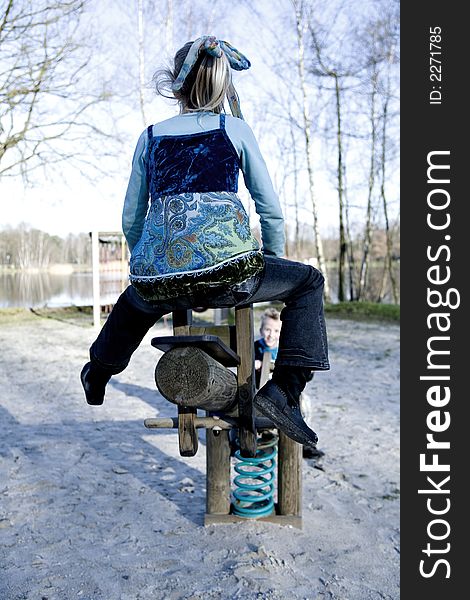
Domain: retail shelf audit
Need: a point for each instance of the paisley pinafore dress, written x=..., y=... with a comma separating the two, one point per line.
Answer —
x=196, y=233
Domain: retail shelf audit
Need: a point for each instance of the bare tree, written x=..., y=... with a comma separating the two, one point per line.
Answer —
x=295, y=193
x=169, y=23
x=24, y=248
x=45, y=96
x=142, y=82
x=331, y=65
x=287, y=132
x=387, y=95
x=300, y=30
x=152, y=24
x=367, y=239
x=331, y=98
x=340, y=169
x=351, y=257
x=377, y=43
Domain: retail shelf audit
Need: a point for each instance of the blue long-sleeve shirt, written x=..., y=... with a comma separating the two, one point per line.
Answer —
x=253, y=167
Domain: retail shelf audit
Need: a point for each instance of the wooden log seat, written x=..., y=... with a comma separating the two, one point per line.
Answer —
x=188, y=376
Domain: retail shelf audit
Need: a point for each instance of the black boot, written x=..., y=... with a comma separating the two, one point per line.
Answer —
x=94, y=380
x=309, y=452
x=292, y=380
x=279, y=400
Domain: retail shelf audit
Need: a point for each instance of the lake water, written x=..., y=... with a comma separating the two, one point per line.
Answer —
x=34, y=290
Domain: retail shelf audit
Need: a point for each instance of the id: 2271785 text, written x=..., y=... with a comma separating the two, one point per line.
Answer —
x=435, y=65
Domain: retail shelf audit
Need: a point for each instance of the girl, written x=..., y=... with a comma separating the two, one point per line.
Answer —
x=193, y=246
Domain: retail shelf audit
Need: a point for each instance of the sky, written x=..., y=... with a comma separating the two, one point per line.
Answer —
x=70, y=202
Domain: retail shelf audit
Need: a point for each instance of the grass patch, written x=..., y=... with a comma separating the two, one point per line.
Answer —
x=78, y=315
x=14, y=315
x=83, y=315
x=364, y=311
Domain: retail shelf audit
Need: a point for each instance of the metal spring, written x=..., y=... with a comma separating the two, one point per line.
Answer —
x=253, y=495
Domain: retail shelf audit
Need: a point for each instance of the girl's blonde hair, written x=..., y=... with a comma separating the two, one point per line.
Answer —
x=205, y=86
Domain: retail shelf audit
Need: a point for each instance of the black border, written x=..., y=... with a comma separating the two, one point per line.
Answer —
x=425, y=128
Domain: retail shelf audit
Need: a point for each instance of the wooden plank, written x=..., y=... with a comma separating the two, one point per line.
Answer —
x=226, y=422
x=289, y=520
x=289, y=476
x=217, y=472
x=265, y=369
x=187, y=433
x=222, y=331
x=211, y=344
x=246, y=380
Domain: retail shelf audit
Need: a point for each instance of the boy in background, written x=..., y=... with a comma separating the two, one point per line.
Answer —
x=270, y=329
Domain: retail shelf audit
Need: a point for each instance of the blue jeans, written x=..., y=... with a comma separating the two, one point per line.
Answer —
x=302, y=343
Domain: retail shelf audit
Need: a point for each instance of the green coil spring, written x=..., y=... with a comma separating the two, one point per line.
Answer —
x=253, y=494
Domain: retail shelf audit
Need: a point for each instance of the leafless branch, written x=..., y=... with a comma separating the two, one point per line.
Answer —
x=45, y=91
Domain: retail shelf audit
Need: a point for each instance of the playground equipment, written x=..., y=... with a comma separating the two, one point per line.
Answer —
x=195, y=373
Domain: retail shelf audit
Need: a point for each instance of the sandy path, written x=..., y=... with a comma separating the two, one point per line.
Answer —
x=94, y=506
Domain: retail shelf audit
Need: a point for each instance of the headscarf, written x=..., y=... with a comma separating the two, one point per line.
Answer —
x=215, y=48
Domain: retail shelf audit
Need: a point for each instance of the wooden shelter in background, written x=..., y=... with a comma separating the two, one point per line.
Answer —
x=110, y=259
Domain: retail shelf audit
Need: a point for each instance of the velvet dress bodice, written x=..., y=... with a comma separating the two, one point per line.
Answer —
x=197, y=230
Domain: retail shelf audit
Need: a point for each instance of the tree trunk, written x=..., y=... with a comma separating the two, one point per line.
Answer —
x=388, y=263
x=350, y=254
x=309, y=152
x=140, y=11
x=342, y=236
x=169, y=24
x=368, y=224
x=297, y=245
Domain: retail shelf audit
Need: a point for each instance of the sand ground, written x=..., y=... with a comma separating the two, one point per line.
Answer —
x=94, y=506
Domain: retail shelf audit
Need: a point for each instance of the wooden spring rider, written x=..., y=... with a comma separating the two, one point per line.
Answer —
x=194, y=373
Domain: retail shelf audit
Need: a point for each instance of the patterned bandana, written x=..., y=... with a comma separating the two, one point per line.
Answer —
x=215, y=48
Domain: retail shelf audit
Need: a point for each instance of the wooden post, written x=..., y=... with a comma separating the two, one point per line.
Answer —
x=187, y=434
x=289, y=476
x=182, y=321
x=246, y=380
x=217, y=472
x=124, y=264
x=95, y=257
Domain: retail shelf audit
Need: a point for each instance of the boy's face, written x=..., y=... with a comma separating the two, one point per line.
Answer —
x=270, y=331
